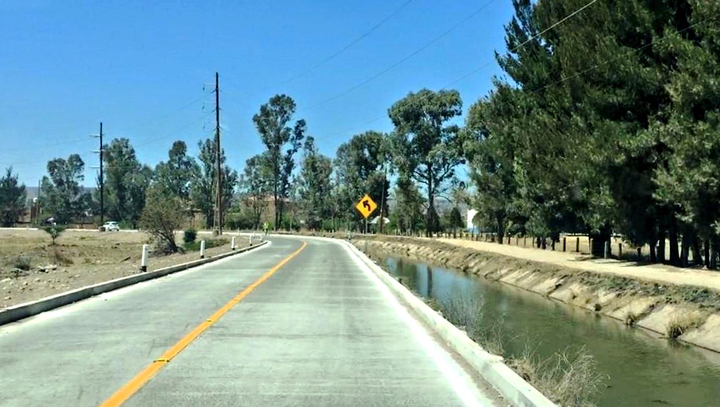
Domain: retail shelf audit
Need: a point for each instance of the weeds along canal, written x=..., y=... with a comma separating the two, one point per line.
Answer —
x=642, y=369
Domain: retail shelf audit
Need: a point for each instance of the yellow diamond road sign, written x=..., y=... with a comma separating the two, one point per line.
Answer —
x=366, y=206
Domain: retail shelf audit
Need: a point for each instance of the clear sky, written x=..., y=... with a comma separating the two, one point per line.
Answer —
x=140, y=68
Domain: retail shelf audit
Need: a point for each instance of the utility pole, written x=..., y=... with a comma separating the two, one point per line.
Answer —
x=382, y=201
x=218, y=192
x=102, y=180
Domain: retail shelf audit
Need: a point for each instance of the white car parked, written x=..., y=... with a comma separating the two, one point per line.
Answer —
x=110, y=227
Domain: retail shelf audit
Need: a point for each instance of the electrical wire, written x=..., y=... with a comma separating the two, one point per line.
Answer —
x=459, y=79
x=337, y=53
x=348, y=46
x=633, y=51
x=406, y=58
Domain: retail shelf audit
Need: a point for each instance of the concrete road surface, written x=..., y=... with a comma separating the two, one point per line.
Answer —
x=321, y=331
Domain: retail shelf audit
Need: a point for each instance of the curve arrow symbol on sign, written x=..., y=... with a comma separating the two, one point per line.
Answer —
x=366, y=204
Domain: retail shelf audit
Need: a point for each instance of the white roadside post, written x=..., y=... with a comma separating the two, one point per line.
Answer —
x=252, y=235
x=144, y=261
x=202, y=249
x=232, y=245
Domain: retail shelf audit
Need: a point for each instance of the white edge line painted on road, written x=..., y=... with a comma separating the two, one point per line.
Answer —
x=77, y=306
x=457, y=378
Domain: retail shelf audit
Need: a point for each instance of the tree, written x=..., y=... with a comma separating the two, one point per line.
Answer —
x=161, y=217
x=455, y=220
x=203, y=189
x=54, y=232
x=178, y=173
x=424, y=147
x=314, y=184
x=126, y=183
x=62, y=195
x=491, y=149
x=272, y=122
x=358, y=165
x=12, y=199
x=256, y=186
x=408, y=214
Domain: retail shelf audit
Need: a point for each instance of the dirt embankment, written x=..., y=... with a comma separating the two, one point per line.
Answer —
x=77, y=260
x=689, y=313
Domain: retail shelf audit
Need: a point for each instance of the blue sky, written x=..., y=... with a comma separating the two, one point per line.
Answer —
x=140, y=67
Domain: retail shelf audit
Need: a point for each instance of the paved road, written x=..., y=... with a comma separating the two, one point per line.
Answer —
x=321, y=331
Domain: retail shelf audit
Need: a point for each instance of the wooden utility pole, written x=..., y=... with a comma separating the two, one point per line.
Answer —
x=218, y=183
x=102, y=180
x=382, y=201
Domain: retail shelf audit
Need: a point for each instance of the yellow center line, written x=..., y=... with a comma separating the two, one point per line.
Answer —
x=146, y=374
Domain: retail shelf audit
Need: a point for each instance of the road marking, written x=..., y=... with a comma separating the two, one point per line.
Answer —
x=137, y=382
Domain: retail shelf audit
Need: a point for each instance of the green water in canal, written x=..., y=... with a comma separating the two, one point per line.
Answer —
x=643, y=370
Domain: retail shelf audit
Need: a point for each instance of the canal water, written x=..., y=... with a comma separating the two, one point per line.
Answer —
x=643, y=369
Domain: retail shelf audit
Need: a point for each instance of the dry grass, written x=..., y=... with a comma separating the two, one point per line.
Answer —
x=465, y=312
x=569, y=378
x=684, y=321
x=631, y=318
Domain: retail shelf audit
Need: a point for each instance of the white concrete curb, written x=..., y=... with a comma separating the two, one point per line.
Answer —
x=29, y=309
x=516, y=391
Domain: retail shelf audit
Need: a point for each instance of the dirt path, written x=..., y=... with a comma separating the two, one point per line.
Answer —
x=654, y=273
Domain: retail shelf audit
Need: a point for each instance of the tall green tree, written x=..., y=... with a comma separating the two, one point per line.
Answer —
x=62, y=195
x=178, y=172
x=425, y=146
x=409, y=206
x=282, y=142
x=126, y=183
x=359, y=167
x=315, y=185
x=256, y=187
x=12, y=199
x=203, y=189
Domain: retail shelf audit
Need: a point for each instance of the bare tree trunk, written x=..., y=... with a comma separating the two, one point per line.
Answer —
x=674, y=258
x=706, y=246
x=661, y=247
x=684, y=251
x=653, y=256
x=697, y=255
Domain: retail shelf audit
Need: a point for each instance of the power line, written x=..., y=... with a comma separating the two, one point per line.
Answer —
x=350, y=45
x=406, y=58
x=135, y=146
x=635, y=50
x=340, y=51
x=453, y=82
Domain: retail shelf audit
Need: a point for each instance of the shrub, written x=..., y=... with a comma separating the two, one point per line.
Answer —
x=189, y=236
x=161, y=216
x=22, y=263
x=54, y=232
